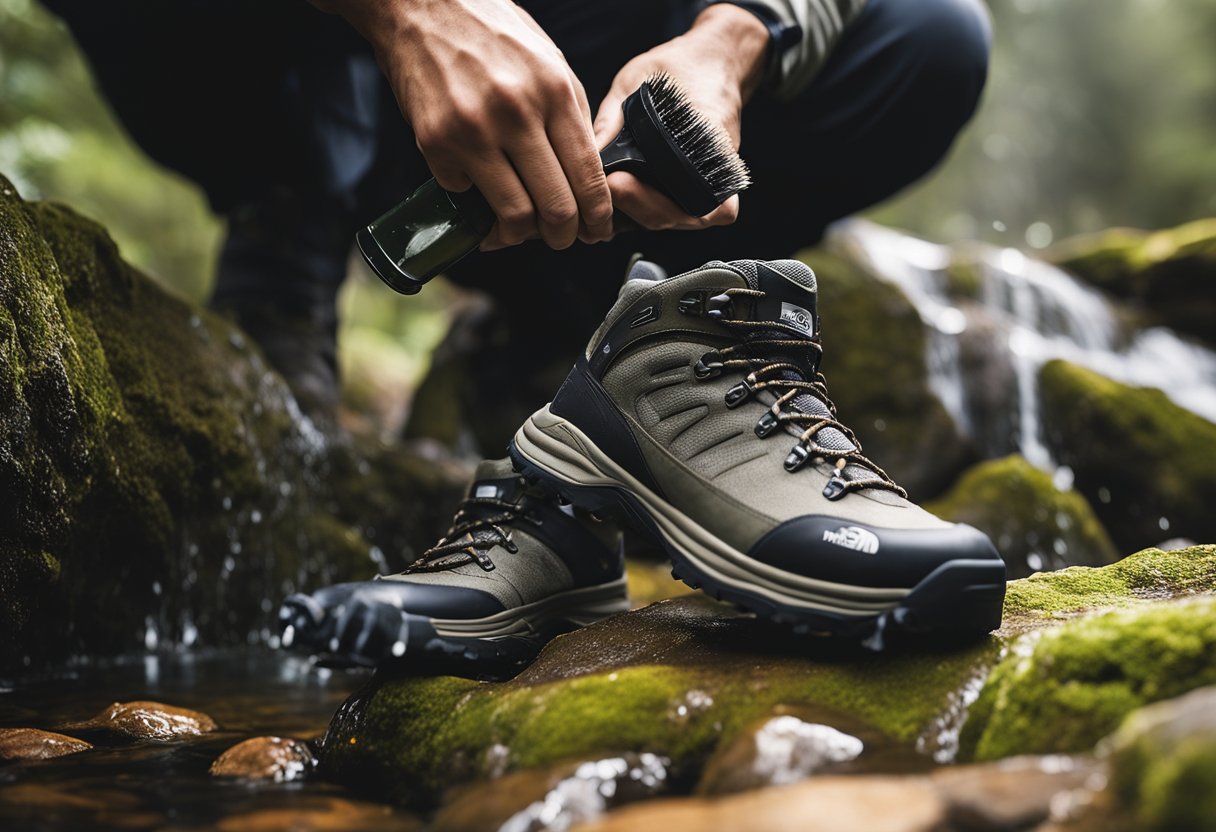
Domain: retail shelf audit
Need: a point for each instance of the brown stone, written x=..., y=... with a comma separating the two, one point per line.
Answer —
x=147, y=721
x=266, y=758
x=32, y=744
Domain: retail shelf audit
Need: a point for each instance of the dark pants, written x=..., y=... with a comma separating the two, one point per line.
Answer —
x=280, y=114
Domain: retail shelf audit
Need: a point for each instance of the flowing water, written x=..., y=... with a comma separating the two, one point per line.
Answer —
x=1035, y=312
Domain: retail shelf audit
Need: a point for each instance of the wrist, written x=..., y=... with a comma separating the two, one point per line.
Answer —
x=740, y=38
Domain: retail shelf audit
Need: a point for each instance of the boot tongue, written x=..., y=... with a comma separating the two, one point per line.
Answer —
x=496, y=479
x=791, y=302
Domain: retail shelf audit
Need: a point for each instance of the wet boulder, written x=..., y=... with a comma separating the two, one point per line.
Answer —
x=687, y=678
x=1170, y=274
x=160, y=484
x=1145, y=465
x=1035, y=525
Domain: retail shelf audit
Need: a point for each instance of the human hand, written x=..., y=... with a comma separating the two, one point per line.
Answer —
x=493, y=103
x=718, y=62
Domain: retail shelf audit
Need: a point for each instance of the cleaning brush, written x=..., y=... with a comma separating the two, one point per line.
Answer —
x=665, y=142
x=668, y=144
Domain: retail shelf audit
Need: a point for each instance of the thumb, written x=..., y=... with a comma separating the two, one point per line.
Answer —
x=610, y=118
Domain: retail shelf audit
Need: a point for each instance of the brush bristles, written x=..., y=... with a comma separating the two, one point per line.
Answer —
x=706, y=145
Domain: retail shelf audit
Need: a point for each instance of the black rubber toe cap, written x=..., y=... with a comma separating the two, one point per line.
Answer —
x=831, y=549
x=311, y=622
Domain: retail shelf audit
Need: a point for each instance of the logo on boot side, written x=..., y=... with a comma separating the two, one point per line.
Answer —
x=797, y=317
x=851, y=537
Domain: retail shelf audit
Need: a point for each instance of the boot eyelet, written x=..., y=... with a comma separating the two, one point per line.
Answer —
x=834, y=489
x=719, y=306
x=708, y=366
x=797, y=458
x=738, y=394
x=767, y=424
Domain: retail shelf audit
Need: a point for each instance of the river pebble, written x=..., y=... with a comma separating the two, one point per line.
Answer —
x=147, y=721
x=276, y=759
x=33, y=744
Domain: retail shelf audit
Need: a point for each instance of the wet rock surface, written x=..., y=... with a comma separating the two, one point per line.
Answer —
x=276, y=759
x=148, y=453
x=1014, y=794
x=145, y=721
x=689, y=678
x=1161, y=480
x=34, y=744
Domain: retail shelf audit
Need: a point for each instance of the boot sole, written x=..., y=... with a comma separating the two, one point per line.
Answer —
x=377, y=633
x=961, y=596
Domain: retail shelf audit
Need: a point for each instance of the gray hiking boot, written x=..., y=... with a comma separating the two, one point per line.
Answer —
x=516, y=568
x=699, y=409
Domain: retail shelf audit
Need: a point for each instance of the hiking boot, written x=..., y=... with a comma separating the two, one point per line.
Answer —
x=698, y=408
x=515, y=569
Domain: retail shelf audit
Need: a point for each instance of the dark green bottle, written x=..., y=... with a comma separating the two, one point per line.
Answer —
x=425, y=235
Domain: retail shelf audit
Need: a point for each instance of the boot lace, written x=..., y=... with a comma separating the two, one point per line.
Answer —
x=476, y=529
x=764, y=357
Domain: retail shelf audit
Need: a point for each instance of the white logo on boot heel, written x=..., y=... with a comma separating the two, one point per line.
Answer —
x=851, y=537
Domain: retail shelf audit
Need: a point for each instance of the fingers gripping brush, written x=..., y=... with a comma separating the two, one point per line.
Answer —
x=665, y=142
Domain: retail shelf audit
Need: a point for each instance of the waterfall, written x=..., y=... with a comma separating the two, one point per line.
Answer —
x=1040, y=313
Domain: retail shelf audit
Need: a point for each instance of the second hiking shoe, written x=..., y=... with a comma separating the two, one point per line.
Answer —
x=699, y=409
x=515, y=569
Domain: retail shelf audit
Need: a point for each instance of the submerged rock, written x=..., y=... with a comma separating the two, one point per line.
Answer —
x=160, y=484
x=686, y=677
x=146, y=721
x=1034, y=525
x=1171, y=274
x=32, y=744
x=275, y=759
x=1146, y=465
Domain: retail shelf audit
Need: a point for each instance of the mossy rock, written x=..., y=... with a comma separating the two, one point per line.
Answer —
x=1034, y=525
x=874, y=360
x=159, y=481
x=1064, y=689
x=1163, y=764
x=1146, y=465
x=684, y=677
x=1171, y=274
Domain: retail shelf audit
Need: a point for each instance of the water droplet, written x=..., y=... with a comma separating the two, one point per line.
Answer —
x=1104, y=495
x=227, y=503
x=398, y=648
x=1039, y=235
x=1164, y=524
x=1035, y=561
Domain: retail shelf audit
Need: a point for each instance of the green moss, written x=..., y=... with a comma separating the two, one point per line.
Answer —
x=880, y=382
x=1164, y=465
x=1132, y=581
x=1061, y=690
x=1019, y=507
